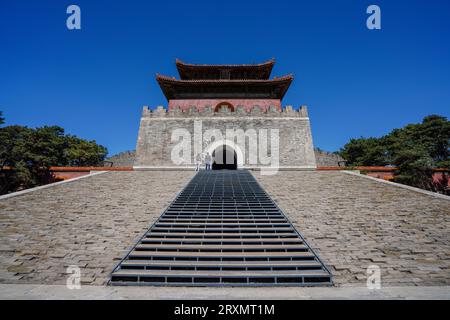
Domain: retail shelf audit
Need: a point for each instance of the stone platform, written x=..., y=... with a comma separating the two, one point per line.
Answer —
x=352, y=222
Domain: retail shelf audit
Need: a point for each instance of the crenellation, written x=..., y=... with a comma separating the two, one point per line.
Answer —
x=273, y=111
x=240, y=110
x=303, y=110
x=289, y=109
x=146, y=112
x=224, y=111
x=174, y=112
x=256, y=111
x=207, y=111
x=192, y=111
x=160, y=111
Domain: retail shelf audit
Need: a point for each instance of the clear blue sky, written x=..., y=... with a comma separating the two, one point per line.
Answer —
x=94, y=82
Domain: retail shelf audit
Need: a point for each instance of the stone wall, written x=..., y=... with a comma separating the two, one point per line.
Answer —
x=155, y=145
x=327, y=159
x=122, y=159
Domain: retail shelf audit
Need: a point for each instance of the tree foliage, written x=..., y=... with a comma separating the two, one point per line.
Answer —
x=26, y=155
x=83, y=153
x=415, y=150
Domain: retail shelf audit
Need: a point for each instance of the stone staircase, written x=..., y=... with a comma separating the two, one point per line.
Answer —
x=222, y=230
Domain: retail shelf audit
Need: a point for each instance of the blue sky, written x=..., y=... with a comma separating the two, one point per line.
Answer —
x=94, y=81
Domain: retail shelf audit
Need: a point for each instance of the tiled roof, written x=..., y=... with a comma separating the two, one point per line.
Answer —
x=265, y=64
x=209, y=71
x=163, y=78
x=205, y=88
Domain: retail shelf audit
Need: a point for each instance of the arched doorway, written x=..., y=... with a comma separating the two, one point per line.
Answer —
x=224, y=158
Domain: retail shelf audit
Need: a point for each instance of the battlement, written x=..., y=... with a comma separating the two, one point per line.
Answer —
x=208, y=111
x=156, y=143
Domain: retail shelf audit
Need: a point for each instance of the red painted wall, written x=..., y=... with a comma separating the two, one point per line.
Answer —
x=385, y=173
x=69, y=175
x=185, y=104
x=65, y=173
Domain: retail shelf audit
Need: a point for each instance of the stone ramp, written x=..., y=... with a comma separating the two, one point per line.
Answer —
x=222, y=230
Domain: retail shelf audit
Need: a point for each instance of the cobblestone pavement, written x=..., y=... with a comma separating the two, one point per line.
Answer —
x=353, y=222
x=90, y=223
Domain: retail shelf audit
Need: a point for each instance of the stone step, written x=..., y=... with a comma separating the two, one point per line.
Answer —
x=270, y=241
x=219, y=264
x=221, y=248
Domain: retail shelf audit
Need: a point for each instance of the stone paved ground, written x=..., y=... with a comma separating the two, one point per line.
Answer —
x=86, y=292
x=90, y=223
x=353, y=222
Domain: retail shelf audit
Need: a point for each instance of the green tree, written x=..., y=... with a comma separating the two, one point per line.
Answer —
x=84, y=153
x=13, y=144
x=2, y=120
x=434, y=135
x=364, y=152
x=416, y=150
x=414, y=168
x=27, y=154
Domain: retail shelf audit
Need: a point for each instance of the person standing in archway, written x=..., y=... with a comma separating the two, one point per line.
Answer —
x=198, y=162
x=208, y=160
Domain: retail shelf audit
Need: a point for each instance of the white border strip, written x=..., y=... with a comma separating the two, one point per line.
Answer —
x=19, y=193
x=398, y=185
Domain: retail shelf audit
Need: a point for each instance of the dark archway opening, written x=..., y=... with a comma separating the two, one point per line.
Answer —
x=224, y=158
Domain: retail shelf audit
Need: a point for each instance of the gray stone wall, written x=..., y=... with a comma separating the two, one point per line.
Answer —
x=122, y=159
x=155, y=145
x=327, y=159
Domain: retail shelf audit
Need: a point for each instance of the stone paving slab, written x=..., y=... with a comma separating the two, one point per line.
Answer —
x=45, y=292
x=353, y=222
x=91, y=223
